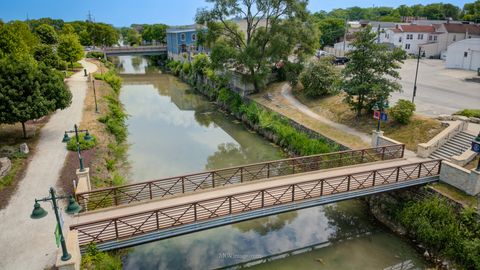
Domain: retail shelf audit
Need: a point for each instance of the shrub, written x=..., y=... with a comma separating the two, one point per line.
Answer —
x=186, y=68
x=402, y=111
x=290, y=72
x=95, y=55
x=320, y=78
x=95, y=259
x=469, y=113
x=200, y=64
x=84, y=145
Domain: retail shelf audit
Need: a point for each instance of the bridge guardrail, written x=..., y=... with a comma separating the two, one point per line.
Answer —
x=114, y=196
x=128, y=226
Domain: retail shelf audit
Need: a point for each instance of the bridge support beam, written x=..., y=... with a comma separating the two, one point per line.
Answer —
x=74, y=250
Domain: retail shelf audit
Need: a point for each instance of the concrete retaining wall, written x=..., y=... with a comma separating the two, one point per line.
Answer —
x=426, y=149
x=461, y=178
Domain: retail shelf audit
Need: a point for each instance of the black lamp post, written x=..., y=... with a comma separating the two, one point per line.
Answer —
x=87, y=137
x=72, y=208
x=380, y=106
x=416, y=74
x=95, y=95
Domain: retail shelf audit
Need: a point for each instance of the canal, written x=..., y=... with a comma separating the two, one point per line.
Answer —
x=174, y=131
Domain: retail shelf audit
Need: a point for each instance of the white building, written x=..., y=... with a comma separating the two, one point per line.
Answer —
x=410, y=37
x=464, y=54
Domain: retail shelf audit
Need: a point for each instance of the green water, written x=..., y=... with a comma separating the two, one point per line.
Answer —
x=174, y=131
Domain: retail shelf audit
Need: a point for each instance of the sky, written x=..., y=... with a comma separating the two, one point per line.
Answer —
x=171, y=12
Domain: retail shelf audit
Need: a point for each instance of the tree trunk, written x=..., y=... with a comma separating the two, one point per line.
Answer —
x=24, y=130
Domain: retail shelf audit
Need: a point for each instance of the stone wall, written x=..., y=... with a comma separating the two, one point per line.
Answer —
x=461, y=178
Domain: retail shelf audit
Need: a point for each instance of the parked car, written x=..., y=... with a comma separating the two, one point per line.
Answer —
x=321, y=53
x=340, y=60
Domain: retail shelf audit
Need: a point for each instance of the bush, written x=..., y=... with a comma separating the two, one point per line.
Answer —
x=402, y=111
x=84, y=145
x=320, y=78
x=290, y=72
x=200, y=64
x=115, y=119
x=95, y=259
x=469, y=113
x=95, y=55
x=186, y=68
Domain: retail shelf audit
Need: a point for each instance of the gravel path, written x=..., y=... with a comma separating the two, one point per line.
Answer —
x=27, y=243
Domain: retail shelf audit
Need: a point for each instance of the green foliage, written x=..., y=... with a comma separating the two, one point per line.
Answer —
x=287, y=135
x=469, y=113
x=111, y=78
x=154, y=32
x=131, y=36
x=94, y=259
x=472, y=11
x=331, y=30
x=436, y=223
x=200, y=64
x=115, y=119
x=46, y=54
x=29, y=90
x=252, y=53
x=69, y=48
x=402, y=111
x=84, y=145
x=95, y=55
x=290, y=72
x=10, y=42
x=47, y=34
x=320, y=78
x=186, y=66
x=369, y=76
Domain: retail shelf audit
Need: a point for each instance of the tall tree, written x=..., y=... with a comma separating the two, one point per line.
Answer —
x=47, y=34
x=29, y=90
x=472, y=11
x=70, y=49
x=46, y=54
x=331, y=30
x=265, y=38
x=10, y=42
x=154, y=32
x=368, y=76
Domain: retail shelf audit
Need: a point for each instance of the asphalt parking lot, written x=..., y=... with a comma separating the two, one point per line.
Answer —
x=439, y=90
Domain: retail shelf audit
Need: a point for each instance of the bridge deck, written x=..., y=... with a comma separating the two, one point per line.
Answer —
x=203, y=195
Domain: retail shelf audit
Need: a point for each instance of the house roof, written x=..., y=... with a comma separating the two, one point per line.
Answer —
x=462, y=28
x=417, y=28
x=184, y=29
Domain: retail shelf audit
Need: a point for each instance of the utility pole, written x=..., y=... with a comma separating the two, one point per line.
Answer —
x=416, y=75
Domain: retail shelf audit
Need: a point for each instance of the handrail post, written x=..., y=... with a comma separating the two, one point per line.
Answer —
x=194, y=211
x=150, y=189
x=158, y=222
x=213, y=179
x=374, y=176
x=398, y=174
x=241, y=174
x=293, y=192
x=321, y=187
x=115, y=199
x=183, y=184
x=116, y=228
x=268, y=170
x=348, y=183
x=403, y=150
x=383, y=152
x=263, y=198
x=419, y=169
x=230, y=204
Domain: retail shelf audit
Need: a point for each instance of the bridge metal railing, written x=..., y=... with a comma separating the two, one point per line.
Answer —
x=121, y=195
x=135, y=49
x=128, y=226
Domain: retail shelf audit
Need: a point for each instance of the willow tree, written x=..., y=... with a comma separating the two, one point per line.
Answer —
x=270, y=31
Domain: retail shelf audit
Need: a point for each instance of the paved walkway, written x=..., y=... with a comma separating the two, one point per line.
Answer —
x=26, y=243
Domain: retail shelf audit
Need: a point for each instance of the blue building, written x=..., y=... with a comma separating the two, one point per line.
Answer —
x=182, y=42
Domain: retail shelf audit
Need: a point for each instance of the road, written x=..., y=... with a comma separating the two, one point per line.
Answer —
x=439, y=90
x=26, y=243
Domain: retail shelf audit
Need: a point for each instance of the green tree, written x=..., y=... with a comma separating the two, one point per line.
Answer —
x=68, y=29
x=103, y=34
x=69, y=48
x=331, y=30
x=155, y=32
x=271, y=33
x=132, y=37
x=320, y=78
x=22, y=31
x=472, y=11
x=29, y=90
x=45, y=53
x=368, y=77
x=10, y=43
x=47, y=34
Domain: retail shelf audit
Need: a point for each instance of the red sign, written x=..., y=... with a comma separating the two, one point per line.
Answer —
x=376, y=114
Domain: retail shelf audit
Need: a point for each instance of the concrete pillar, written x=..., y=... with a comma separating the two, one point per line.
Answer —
x=74, y=250
x=83, y=183
x=475, y=180
x=375, y=137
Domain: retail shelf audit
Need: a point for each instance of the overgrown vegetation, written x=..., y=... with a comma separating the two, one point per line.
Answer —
x=94, y=259
x=402, y=112
x=469, y=113
x=438, y=225
x=320, y=78
x=17, y=163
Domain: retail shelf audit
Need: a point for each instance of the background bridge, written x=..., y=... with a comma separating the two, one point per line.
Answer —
x=128, y=50
x=176, y=215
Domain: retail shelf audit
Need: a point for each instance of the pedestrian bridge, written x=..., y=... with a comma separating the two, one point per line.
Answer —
x=179, y=212
x=128, y=50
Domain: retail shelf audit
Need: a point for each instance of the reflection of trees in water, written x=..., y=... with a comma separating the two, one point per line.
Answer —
x=265, y=225
x=203, y=118
x=227, y=155
x=349, y=218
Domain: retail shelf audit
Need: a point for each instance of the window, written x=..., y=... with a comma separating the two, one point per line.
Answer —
x=430, y=38
x=407, y=46
x=409, y=36
x=182, y=37
x=400, y=39
x=465, y=54
x=194, y=37
x=434, y=38
x=420, y=36
x=454, y=37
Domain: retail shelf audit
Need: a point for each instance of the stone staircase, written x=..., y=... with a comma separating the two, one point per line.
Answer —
x=453, y=147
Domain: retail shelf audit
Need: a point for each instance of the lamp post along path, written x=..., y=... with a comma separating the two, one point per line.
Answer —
x=86, y=137
x=72, y=208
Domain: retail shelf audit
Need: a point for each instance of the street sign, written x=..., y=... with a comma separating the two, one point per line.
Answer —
x=476, y=147
x=376, y=114
x=384, y=117
x=57, y=235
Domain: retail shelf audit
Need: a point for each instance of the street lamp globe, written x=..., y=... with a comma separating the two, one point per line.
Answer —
x=87, y=136
x=65, y=138
x=375, y=107
x=73, y=207
x=38, y=212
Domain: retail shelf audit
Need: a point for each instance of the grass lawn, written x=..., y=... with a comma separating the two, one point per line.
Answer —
x=419, y=130
x=455, y=194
